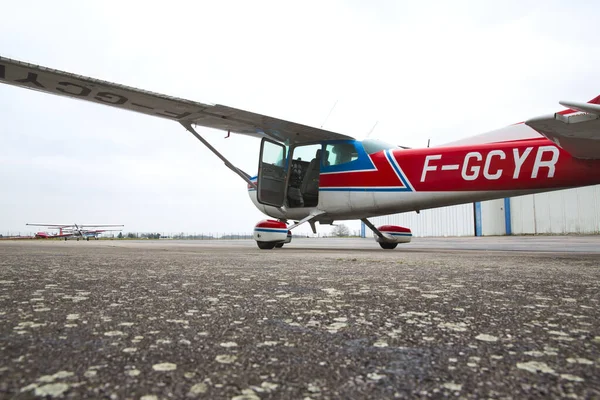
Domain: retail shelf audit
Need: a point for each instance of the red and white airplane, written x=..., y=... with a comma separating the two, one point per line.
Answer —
x=81, y=231
x=312, y=175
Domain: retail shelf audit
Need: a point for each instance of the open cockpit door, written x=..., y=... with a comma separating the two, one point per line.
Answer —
x=272, y=172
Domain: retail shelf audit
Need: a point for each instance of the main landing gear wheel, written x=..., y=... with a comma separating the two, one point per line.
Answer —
x=388, y=246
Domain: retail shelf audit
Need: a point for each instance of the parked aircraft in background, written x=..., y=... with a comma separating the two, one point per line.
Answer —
x=313, y=175
x=66, y=231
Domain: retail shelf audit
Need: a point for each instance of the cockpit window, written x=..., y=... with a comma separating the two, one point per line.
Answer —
x=373, y=146
x=340, y=153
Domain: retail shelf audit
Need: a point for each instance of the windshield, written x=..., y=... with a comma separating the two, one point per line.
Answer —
x=373, y=145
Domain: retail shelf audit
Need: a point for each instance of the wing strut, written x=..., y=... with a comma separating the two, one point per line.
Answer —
x=229, y=165
x=310, y=219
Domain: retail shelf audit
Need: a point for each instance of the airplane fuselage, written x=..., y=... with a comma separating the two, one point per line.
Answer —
x=398, y=180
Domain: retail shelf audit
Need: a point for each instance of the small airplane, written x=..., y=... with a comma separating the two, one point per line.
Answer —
x=76, y=231
x=310, y=175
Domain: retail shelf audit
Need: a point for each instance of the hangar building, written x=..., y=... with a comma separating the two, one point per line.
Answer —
x=570, y=211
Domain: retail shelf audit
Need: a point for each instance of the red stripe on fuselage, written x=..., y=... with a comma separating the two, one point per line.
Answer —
x=513, y=165
x=383, y=176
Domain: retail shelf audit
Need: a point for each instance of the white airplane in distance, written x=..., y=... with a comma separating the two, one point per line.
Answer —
x=312, y=175
x=81, y=231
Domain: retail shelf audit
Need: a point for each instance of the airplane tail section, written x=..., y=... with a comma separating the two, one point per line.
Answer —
x=576, y=130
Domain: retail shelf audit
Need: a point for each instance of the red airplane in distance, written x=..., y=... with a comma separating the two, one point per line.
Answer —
x=76, y=231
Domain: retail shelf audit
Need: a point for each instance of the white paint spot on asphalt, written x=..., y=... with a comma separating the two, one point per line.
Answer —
x=333, y=292
x=44, y=309
x=225, y=359
x=72, y=317
x=269, y=386
x=375, y=377
x=486, y=338
x=113, y=333
x=90, y=373
x=534, y=353
x=178, y=321
x=129, y=350
x=336, y=326
x=452, y=386
x=459, y=309
x=458, y=327
x=228, y=344
x=6, y=282
x=51, y=389
x=197, y=389
x=133, y=372
x=584, y=361
x=58, y=375
x=430, y=296
x=29, y=387
x=380, y=343
x=164, y=367
x=149, y=397
x=572, y=378
x=247, y=394
x=495, y=357
x=558, y=333
x=126, y=324
x=185, y=342
x=535, y=366
x=414, y=313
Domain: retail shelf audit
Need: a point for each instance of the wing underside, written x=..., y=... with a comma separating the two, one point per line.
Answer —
x=577, y=131
x=215, y=116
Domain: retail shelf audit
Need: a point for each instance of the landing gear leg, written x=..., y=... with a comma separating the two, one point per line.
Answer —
x=384, y=242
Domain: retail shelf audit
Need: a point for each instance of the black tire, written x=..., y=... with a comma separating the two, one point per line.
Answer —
x=388, y=246
x=279, y=245
x=265, y=245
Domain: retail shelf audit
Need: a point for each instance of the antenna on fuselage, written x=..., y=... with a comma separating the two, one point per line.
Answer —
x=330, y=111
x=428, y=141
x=372, y=129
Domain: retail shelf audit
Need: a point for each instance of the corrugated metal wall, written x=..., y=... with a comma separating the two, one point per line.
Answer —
x=563, y=211
x=445, y=221
x=559, y=212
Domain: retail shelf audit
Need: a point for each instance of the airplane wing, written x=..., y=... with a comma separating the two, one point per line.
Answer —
x=215, y=116
x=577, y=130
x=53, y=225
x=100, y=226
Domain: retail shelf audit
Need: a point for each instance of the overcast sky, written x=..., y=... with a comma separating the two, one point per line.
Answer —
x=420, y=70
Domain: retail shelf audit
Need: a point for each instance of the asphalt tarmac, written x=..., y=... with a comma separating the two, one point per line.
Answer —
x=499, y=318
